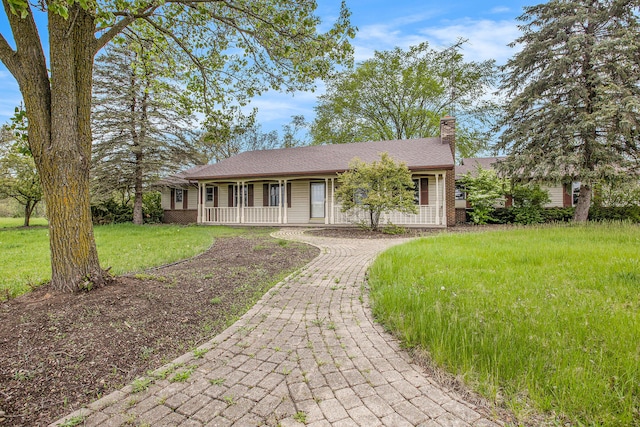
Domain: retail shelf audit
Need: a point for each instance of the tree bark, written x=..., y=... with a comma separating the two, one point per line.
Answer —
x=584, y=202
x=137, y=200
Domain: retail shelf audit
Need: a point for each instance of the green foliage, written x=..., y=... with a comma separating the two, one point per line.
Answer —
x=528, y=203
x=484, y=191
x=402, y=94
x=19, y=178
x=377, y=187
x=573, y=92
x=112, y=211
x=541, y=320
x=615, y=213
x=152, y=207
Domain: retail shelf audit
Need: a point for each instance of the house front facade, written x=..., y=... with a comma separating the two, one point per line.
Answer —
x=297, y=186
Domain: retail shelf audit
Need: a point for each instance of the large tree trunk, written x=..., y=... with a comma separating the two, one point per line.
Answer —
x=137, y=200
x=584, y=203
x=58, y=108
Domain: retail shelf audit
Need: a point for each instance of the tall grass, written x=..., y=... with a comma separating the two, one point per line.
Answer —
x=25, y=262
x=543, y=319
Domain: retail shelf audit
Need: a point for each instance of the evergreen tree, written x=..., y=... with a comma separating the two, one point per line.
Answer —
x=573, y=94
x=402, y=94
x=141, y=125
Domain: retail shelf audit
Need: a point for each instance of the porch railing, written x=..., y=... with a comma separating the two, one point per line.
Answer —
x=426, y=216
x=252, y=215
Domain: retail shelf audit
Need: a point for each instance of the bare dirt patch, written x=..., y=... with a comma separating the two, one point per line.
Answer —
x=60, y=351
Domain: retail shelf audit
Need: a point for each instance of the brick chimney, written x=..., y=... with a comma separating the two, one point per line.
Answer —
x=448, y=136
x=448, y=133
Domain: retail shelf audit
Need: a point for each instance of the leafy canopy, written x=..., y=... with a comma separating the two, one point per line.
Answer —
x=573, y=94
x=484, y=191
x=377, y=188
x=402, y=94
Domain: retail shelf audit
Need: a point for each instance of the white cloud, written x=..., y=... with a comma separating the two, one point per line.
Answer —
x=500, y=9
x=487, y=39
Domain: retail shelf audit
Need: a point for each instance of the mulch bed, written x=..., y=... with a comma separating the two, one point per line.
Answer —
x=364, y=233
x=59, y=352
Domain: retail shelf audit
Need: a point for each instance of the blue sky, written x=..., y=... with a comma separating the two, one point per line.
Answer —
x=489, y=25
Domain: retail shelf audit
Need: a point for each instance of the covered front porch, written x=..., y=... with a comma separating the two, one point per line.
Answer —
x=307, y=201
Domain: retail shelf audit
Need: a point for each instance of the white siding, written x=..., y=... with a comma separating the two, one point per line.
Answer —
x=299, y=211
x=165, y=198
x=192, y=199
x=556, y=195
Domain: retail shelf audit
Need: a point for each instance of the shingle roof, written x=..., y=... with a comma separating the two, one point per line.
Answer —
x=471, y=164
x=417, y=154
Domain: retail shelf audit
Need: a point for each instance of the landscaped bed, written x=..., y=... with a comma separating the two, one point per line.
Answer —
x=59, y=351
x=545, y=321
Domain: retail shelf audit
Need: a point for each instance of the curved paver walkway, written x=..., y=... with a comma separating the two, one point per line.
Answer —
x=308, y=352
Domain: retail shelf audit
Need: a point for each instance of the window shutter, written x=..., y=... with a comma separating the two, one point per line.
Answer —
x=173, y=199
x=250, y=195
x=567, y=197
x=265, y=194
x=424, y=191
x=185, y=200
x=288, y=194
x=215, y=197
x=231, y=200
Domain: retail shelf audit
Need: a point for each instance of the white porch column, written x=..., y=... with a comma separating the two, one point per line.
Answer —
x=199, y=220
x=333, y=200
x=242, y=202
x=326, y=200
x=280, y=201
x=286, y=203
x=437, y=199
x=236, y=197
x=444, y=199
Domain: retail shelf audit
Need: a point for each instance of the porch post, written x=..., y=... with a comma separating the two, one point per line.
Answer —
x=242, y=202
x=444, y=199
x=286, y=203
x=326, y=200
x=280, y=201
x=199, y=220
x=237, y=199
x=333, y=200
x=437, y=199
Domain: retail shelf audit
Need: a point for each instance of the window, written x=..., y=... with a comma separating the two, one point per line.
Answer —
x=245, y=195
x=359, y=195
x=209, y=195
x=178, y=195
x=461, y=194
x=575, y=193
x=276, y=195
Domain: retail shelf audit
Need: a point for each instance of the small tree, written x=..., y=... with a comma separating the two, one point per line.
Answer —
x=378, y=187
x=19, y=177
x=528, y=203
x=484, y=191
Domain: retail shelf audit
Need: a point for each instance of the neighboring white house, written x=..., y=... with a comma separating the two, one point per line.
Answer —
x=296, y=186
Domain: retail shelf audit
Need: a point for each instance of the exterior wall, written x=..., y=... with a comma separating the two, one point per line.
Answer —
x=165, y=198
x=461, y=215
x=450, y=192
x=556, y=194
x=180, y=216
x=299, y=213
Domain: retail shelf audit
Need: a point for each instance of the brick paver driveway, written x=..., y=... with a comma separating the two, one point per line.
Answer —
x=308, y=353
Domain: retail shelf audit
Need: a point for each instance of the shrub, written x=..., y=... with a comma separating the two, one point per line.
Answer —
x=484, y=191
x=111, y=212
x=615, y=213
x=152, y=207
x=558, y=214
x=528, y=202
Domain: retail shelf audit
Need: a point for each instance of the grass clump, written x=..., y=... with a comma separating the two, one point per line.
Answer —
x=544, y=319
x=25, y=262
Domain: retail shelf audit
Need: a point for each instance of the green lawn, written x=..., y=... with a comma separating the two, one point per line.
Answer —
x=19, y=222
x=546, y=320
x=24, y=253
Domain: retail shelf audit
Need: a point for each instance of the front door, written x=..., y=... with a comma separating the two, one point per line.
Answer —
x=317, y=199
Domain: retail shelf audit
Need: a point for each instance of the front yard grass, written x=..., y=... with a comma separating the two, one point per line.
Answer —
x=545, y=321
x=25, y=259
